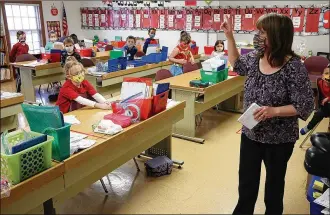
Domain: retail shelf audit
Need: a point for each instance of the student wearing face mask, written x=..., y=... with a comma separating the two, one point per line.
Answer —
x=130, y=48
x=77, y=92
x=52, y=39
x=150, y=40
x=219, y=48
x=18, y=49
x=181, y=55
x=192, y=43
x=69, y=51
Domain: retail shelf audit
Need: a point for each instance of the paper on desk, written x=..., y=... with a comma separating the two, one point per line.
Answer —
x=247, y=118
x=74, y=136
x=171, y=103
x=71, y=119
x=34, y=63
x=81, y=144
x=324, y=199
x=326, y=211
x=6, y=95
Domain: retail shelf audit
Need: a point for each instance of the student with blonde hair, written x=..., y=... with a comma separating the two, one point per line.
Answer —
x=78, y=92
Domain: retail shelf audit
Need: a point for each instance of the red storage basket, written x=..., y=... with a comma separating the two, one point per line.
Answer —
x=159, y=102
x=208, y=50
x=86, y=52
x=121, y=44
x=194, y=51
x=55, y=57
x=46, y=56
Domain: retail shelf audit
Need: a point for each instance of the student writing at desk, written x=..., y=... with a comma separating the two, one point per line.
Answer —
x=78, y=92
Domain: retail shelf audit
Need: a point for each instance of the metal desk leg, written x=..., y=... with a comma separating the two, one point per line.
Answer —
x=27, y=84
x=163, y=148
x=185, y=129
x=48, y=207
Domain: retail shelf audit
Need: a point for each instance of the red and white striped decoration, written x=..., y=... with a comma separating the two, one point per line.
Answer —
x=65, y=23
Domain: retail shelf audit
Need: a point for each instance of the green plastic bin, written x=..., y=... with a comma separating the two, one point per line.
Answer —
x=61, y=144
x=29, y=162
x=214, y=77
x=116, y=54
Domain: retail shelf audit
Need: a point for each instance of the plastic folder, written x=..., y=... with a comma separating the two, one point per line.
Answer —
x=29, y=143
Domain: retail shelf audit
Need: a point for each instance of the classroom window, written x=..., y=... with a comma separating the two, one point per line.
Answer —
x=25, y=17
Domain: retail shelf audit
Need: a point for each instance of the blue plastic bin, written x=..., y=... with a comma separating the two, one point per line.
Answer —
x=164, y=53
x=136, y=63
x=152, y=58
x=117, y=64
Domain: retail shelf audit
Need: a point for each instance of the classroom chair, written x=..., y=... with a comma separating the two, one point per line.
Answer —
x=319, y=100
x=324, y=54
x=108, y=48
x=188, y=67
x=163, y=74
x=87, y=62
x=140, y=54
x=315, y=66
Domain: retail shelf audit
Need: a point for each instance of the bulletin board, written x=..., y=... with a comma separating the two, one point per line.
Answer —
x=54, y=26
x=307, y=20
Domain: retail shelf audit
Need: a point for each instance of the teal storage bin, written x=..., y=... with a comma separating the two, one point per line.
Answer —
x=61, y=144
x=214, y=77
x=29, y=162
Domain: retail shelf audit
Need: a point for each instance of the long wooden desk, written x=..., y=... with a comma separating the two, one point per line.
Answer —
x=37, y=75
x=10, y=107
x=199, y=100
x=66, y=179
x=111, y=82
x=29, y=195
x=110, y=152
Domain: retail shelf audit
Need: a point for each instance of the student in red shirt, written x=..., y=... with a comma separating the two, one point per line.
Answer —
x=77, y=92
x=181, y=55
x=18, y=49
x=324, y=96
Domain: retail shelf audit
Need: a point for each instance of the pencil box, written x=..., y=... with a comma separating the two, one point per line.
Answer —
x=198, y=83
x=122, y=120
x=159, y=166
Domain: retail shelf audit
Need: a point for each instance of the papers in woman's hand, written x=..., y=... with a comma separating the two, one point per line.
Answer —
x=247, y=119
x=324, y=199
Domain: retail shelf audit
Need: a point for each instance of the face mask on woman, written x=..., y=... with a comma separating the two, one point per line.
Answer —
x=259, y=43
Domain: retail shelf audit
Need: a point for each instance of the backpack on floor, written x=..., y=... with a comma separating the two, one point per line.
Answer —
x=159, y=166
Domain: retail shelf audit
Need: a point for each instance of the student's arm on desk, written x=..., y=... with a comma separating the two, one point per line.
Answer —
x=174, y=53
x=192, y=59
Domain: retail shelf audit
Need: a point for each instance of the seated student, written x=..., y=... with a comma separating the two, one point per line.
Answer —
x=52, y=39
x=324, y=96
x=69, y=51
x=77, y=42
x=78, y=92
x=181, y=55
x=18, y=49
x=130, y=48
x=192, y=42
x=219, y=48
x=150, y=40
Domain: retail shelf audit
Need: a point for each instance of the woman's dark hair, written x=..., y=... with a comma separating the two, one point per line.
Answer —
x=279, y=30
x=150, y=29
x=217, y=43
x=75, y=38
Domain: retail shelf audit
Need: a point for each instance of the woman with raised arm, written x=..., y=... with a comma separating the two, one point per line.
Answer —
x=278, y=82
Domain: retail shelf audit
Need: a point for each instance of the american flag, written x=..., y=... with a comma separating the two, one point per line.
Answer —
x=65, y=23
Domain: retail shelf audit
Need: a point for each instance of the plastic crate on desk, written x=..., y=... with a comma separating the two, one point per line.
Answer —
x=164, y=53
x=153, y=58
x=29, y=162
x=136, y=63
